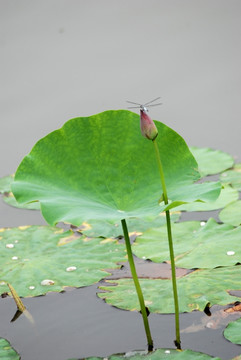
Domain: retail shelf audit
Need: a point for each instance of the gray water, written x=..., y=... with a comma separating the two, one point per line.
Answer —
x=62, y=59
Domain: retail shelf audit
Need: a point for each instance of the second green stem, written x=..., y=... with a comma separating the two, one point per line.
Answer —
x=170, y=242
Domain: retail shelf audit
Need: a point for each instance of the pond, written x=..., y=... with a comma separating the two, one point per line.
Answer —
x=78, y=323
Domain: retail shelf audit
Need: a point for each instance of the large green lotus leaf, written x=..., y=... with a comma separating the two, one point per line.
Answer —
x=233, y=332
x=211, y=161
x=30, y=255
x=7, y=352
x=195, y=291
x=105, y=228
x=100, y=167
x=5, y=183
x=227, y=195
x=195, y=246
x=231, y=214
x=159, y=354
x=232, y=177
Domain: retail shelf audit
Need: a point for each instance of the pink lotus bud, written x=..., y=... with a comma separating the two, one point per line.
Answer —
x=148, y=128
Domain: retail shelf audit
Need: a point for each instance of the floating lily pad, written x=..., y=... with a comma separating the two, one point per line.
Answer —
x=7, y=352
x=38, y=259
x=227, y=195
x=232, y=177
x=231, y=214
x=96, y=228
x=159, y=354
x=211, y=161
x=195, y=246
x=100, y=167
x=233, y=332
x=195, y=291
x=5, y=183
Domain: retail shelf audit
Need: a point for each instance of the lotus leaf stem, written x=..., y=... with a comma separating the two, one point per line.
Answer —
x=137, y=285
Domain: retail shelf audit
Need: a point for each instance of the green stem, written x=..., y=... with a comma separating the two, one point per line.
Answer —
x=137, y=286
x=170, y=242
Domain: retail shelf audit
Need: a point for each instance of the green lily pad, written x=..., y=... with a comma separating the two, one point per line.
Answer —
x=227, y=195
x=32, y=254
x=195, y=291
x=195, y=246
x=100, y=167
x=159, y=354
x=10, y=200
x=7, y=352
x=232, y=177
x=5, y=184
x=231, y=214
x=211, y=161
x=233, y=332
x=105, y=228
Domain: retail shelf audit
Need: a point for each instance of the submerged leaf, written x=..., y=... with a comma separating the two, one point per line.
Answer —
x=211, y=161
x=34, y=263
x=99, y=167
x=195, y=246
x=195, y=291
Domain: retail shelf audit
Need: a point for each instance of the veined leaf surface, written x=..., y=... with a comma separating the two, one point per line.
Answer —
x=100, y=167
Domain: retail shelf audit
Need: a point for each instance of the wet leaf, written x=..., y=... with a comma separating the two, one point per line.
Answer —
x=195, y=291
x=5, y=183
x=159, y=354
x=34, y=263
x=195, y=246
x=232, y=177
x=7, y=352
x=100, y=167
x=211, y=161
x=95, y=228
x=233, y=332
x=227, y=195
x=231, y=214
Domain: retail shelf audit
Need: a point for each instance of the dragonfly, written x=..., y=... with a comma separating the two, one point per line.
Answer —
x=144, y=107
